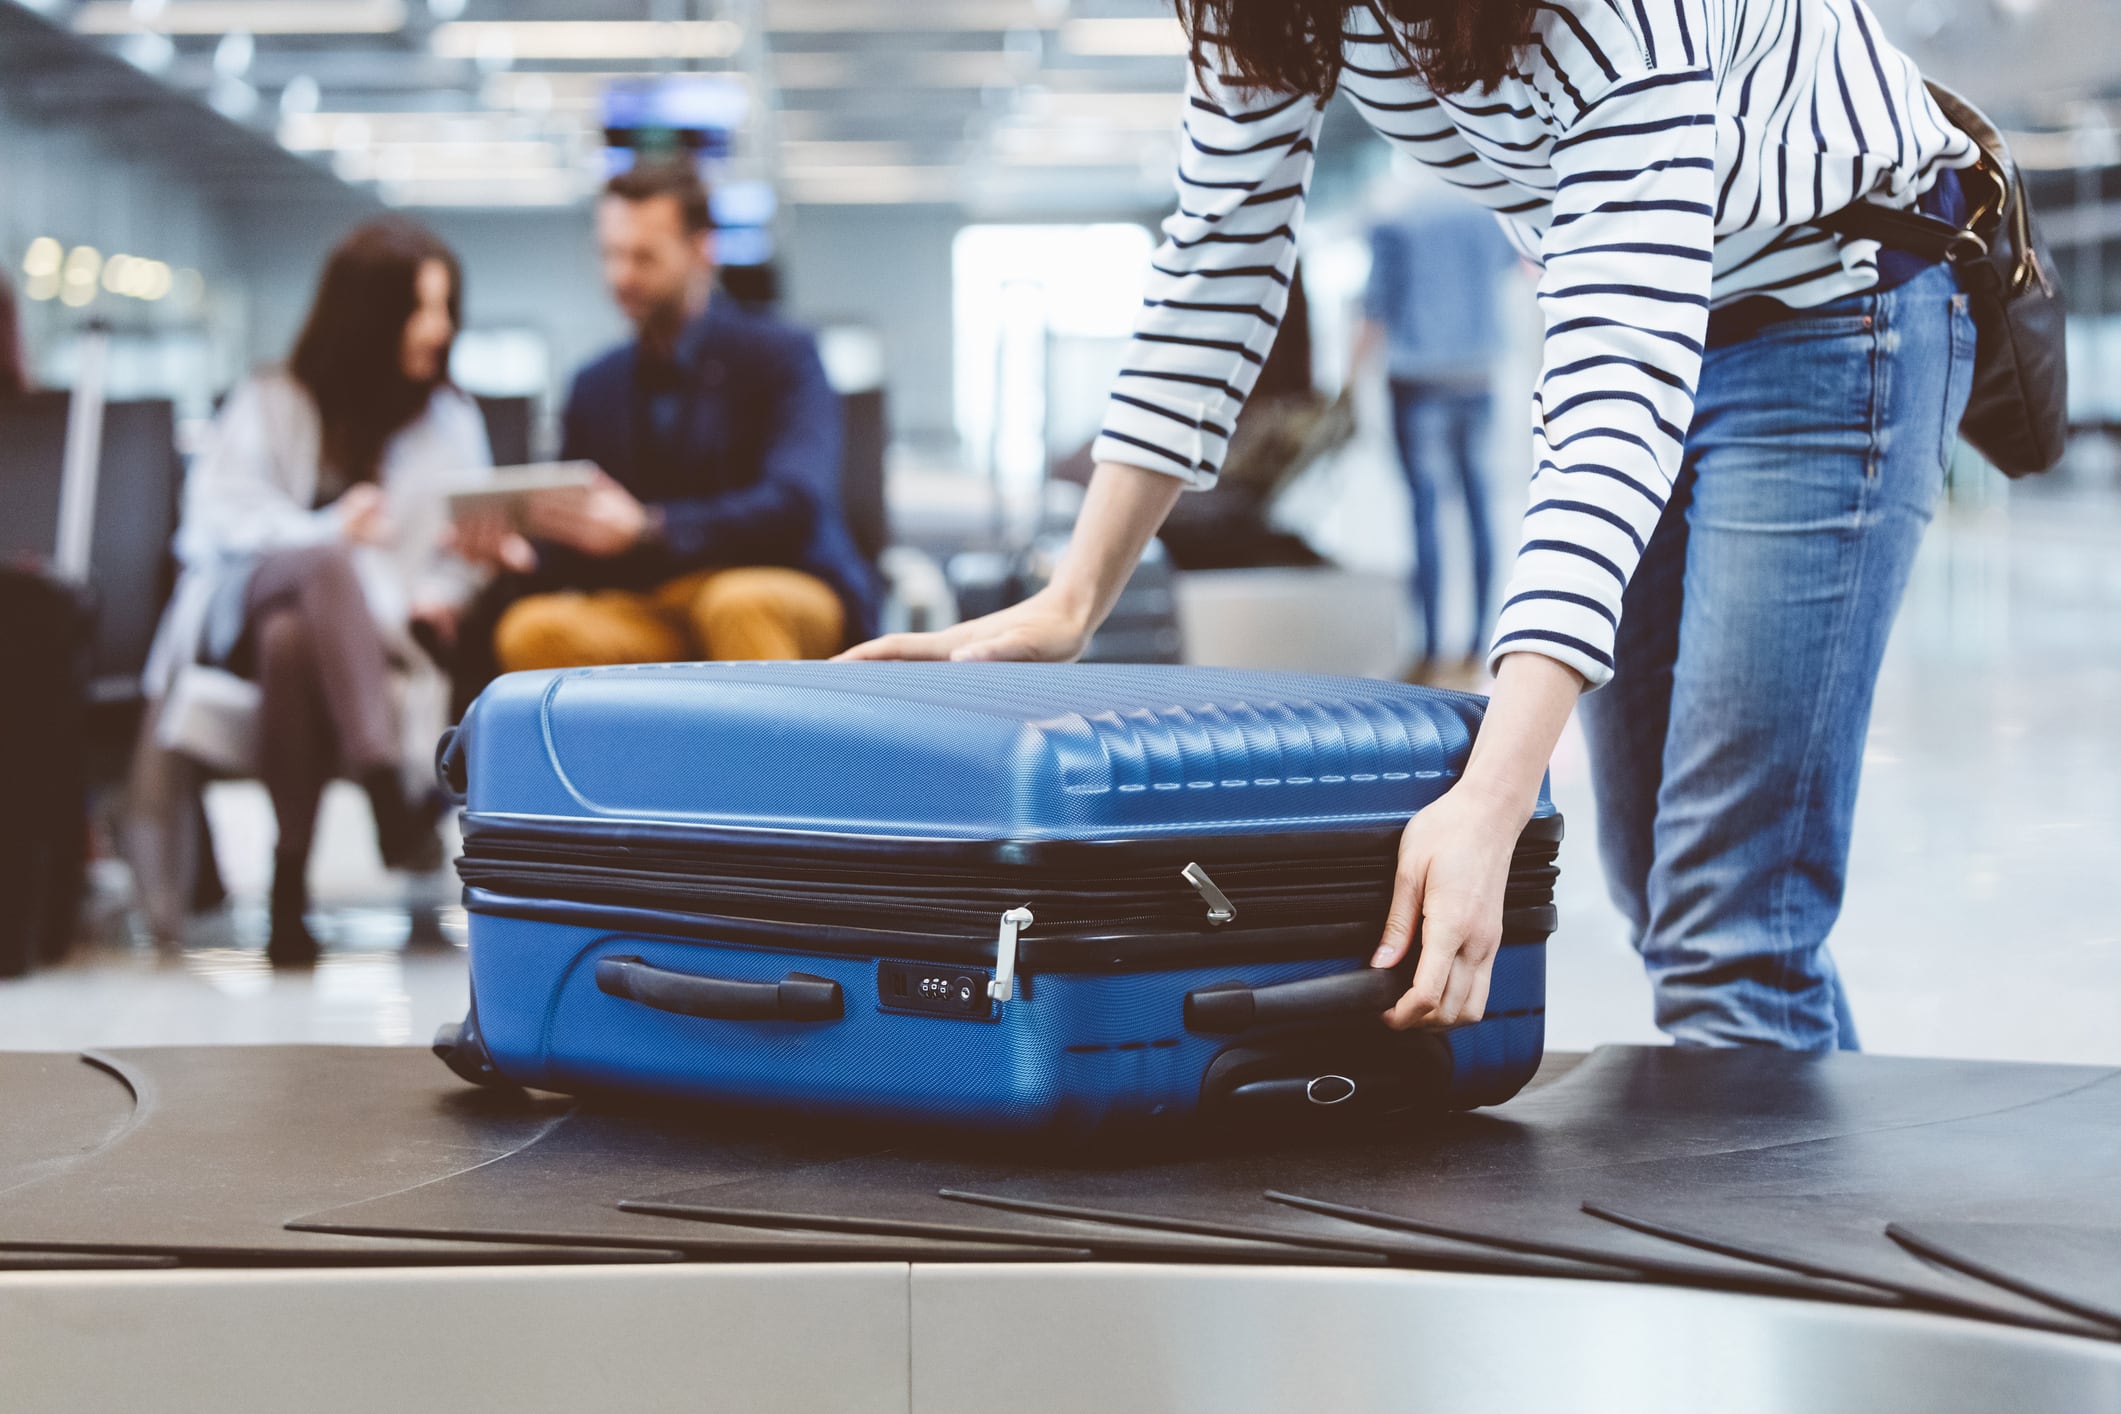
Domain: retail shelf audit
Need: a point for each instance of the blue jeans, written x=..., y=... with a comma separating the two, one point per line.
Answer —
x=1435, y=424
x=1727, y=747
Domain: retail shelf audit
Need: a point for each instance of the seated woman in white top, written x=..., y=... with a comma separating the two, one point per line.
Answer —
x=312, y=541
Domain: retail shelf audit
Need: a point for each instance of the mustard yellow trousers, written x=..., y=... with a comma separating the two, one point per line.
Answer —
x=755, y=612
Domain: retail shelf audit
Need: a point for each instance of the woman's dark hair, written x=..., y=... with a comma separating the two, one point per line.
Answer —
x=350, y=357
x=14, y=366
x=1294, y=46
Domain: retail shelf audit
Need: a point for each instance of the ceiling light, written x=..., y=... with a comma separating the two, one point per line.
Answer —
x=43, y=258
x=1147, y=37
x=443, y=11
x=968, y=68
x=536, y=91
x=874, y=185
x=807, y=156
x=452, y=161
x=533, y=94
x=135, y=278
x=77, y=278
x=40, y=267
x=233, y=54
x=232, y=99
x=494, y=51
x=300, y=96
x=505, y=189
x=352, y=132
x=826, y=16
x=147, y=51
x=1157, y=108
x=203, y=17
x=590, y=39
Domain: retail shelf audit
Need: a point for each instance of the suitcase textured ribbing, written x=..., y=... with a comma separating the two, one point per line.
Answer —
x=996, y=896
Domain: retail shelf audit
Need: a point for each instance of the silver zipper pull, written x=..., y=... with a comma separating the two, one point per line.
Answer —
x=1220, y=909
x=1003, y=987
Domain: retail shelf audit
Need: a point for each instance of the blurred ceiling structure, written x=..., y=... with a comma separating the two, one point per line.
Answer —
x=999, y=106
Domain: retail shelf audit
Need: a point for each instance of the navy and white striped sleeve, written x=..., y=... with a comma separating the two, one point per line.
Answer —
x=1219, y=282
x=1625, y=297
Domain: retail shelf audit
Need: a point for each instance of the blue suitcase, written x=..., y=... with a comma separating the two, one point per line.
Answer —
x=997, y=896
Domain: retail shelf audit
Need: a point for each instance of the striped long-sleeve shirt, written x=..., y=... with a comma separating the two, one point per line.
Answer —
x=1655, y=157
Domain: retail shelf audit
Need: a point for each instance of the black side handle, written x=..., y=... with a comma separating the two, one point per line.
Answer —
x=450, y=766
x=1229, y=1007
x=796, y=997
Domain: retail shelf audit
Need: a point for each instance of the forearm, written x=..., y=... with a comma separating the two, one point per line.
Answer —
x=1529, y=706
x=1125, y=506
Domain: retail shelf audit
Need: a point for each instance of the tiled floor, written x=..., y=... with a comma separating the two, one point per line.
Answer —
x=1981, y=918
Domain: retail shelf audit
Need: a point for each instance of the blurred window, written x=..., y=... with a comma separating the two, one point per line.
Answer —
x=1042, y=317
x=502, y=363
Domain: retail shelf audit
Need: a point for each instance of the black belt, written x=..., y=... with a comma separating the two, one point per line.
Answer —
x=1909, y=248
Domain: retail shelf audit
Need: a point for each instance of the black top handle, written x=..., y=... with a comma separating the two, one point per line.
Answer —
x=796, y=997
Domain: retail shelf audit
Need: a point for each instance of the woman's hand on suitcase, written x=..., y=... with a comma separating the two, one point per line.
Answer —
x=1124, y=506
x=1454, y=863
x=1043, y=629
x=1454, y=859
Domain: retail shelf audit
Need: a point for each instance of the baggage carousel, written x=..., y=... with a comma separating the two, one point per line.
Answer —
x=325, y=1228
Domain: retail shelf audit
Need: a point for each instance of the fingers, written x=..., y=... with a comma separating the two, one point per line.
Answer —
x=1407, y=891
x=1458, y=991
x=1448, y=996
x=922, y=647
x=1440, y=942
x=516, y=553
x=1477, y=1004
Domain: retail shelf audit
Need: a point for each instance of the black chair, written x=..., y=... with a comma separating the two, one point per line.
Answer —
x=864, y=435
x=32, y=450
x=131, y=568
x=74, y=713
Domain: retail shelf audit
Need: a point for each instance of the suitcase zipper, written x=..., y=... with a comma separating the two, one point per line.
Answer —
x=1086, y=917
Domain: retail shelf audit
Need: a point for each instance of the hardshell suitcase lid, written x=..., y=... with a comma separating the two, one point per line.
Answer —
x=956, y=751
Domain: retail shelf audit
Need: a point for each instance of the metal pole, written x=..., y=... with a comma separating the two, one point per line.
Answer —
x=83, y=461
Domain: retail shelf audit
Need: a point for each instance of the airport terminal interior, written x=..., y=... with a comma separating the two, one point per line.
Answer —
x=911, y=250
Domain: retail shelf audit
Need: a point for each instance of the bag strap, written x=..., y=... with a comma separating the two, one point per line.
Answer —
x=1926, y=236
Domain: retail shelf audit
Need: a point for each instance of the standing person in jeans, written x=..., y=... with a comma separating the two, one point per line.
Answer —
x=311, y=540
x=714, y=529
x=1430, y=306
x=1738, y=430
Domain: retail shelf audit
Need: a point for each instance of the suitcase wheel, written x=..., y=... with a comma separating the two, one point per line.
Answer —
x=459, y=1046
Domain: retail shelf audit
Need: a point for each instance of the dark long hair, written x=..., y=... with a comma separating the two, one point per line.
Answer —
x=1294, y=46
x=14, y=365
x=349, y=355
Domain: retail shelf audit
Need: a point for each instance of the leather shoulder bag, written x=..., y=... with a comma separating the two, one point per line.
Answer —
x=2018, y=414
